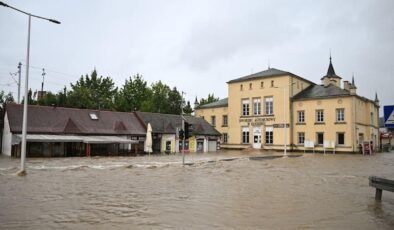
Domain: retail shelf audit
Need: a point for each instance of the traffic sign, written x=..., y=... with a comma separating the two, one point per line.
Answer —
x=388, y=116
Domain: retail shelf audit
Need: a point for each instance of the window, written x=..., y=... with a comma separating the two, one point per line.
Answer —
x=272, y=83
x=202, y=117
x=340, y=138
x=301, y=138
x=250, y=86
x=242, y=87
x=186, y=146
x=262, y=84
x=93, y=116
x=301, y=116
x=269, y=105
x=319, y=115
x=371, y=118
x=320, y=138
x=256, y=106
x=213, y=120
x=245, y=135
x=225, y=138
x=269, y=135
x=245, y=107
x=225, y=120
x=340, y=115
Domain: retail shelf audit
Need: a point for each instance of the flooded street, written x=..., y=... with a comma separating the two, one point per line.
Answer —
x=313, y=191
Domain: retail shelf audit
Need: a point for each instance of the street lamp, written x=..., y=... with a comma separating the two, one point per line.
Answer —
x=22, y=172
x=284, y=119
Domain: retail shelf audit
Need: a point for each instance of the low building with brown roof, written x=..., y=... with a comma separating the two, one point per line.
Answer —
x=165, y=130
x=58, y=131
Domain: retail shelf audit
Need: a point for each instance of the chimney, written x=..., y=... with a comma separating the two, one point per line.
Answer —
x=346, y=85
x=353, y=90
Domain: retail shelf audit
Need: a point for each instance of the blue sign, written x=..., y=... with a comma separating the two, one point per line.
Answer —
x=388, y=116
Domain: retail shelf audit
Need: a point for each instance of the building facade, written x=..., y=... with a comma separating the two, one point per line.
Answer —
x=275, y=109
x=165, y=133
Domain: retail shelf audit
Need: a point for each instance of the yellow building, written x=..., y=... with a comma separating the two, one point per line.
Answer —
x=275, y=109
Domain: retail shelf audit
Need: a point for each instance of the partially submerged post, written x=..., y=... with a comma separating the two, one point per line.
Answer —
x=381, y=184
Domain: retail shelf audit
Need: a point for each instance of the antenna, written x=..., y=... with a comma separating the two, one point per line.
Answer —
x=269, y=67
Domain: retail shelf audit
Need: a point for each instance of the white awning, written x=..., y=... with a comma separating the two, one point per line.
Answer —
x=73, y=138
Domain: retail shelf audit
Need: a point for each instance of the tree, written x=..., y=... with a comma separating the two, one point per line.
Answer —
x=158, y=98
x=5, y=99
x=132, y=95
x=162, y=99
x=48, y=99
x=174, y=102
x=61, y=98
x=188, y=108
x=30, y=99
x=210, y=99
x=93, y=92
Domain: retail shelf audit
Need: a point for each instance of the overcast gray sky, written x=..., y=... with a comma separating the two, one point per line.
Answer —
x=199, y=45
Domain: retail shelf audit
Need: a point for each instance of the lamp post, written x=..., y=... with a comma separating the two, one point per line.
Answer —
x=22, y=172
x=285, y=119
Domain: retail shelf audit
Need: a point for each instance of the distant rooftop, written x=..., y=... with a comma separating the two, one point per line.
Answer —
x=221, y=103
x=271, y=72
x=319, y=91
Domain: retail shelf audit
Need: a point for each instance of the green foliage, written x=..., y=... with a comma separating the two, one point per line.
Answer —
x=30, y=99
x=210, y=99
x=133, y=93
x=188, y=109
x=48, y=99
x=163, y=99
x=93, y=92
x=5, y=99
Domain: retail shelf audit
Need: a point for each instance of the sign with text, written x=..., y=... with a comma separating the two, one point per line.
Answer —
x=281, y=125
x=258, y=121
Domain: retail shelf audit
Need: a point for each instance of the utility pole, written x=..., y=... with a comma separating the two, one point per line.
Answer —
x=19, y=82
x=42, y=84
x=183, y=128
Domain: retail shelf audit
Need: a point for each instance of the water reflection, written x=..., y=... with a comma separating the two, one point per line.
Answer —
x=217, y=191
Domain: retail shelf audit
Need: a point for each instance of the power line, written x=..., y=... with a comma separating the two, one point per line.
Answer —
x=54, y=71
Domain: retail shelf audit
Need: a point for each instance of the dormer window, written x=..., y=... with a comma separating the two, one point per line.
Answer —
x=93, y=116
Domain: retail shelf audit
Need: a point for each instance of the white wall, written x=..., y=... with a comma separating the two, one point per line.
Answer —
x=164, y=139
x=7, y=137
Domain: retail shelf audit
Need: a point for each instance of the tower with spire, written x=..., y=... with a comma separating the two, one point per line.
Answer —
x=353, y=87
x=331, y=77
x=376, y=98
x=196, y=104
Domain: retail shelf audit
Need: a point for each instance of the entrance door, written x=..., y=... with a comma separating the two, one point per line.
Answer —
x=256, y=138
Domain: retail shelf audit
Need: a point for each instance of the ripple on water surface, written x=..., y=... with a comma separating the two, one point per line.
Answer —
x=213, y=192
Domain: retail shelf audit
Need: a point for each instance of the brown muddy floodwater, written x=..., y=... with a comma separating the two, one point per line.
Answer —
x=313, y=191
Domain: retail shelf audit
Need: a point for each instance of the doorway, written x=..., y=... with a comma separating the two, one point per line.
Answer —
x=256, y=138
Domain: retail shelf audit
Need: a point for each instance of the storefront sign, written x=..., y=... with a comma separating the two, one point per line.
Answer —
x=281, y=125
x=259, y=121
